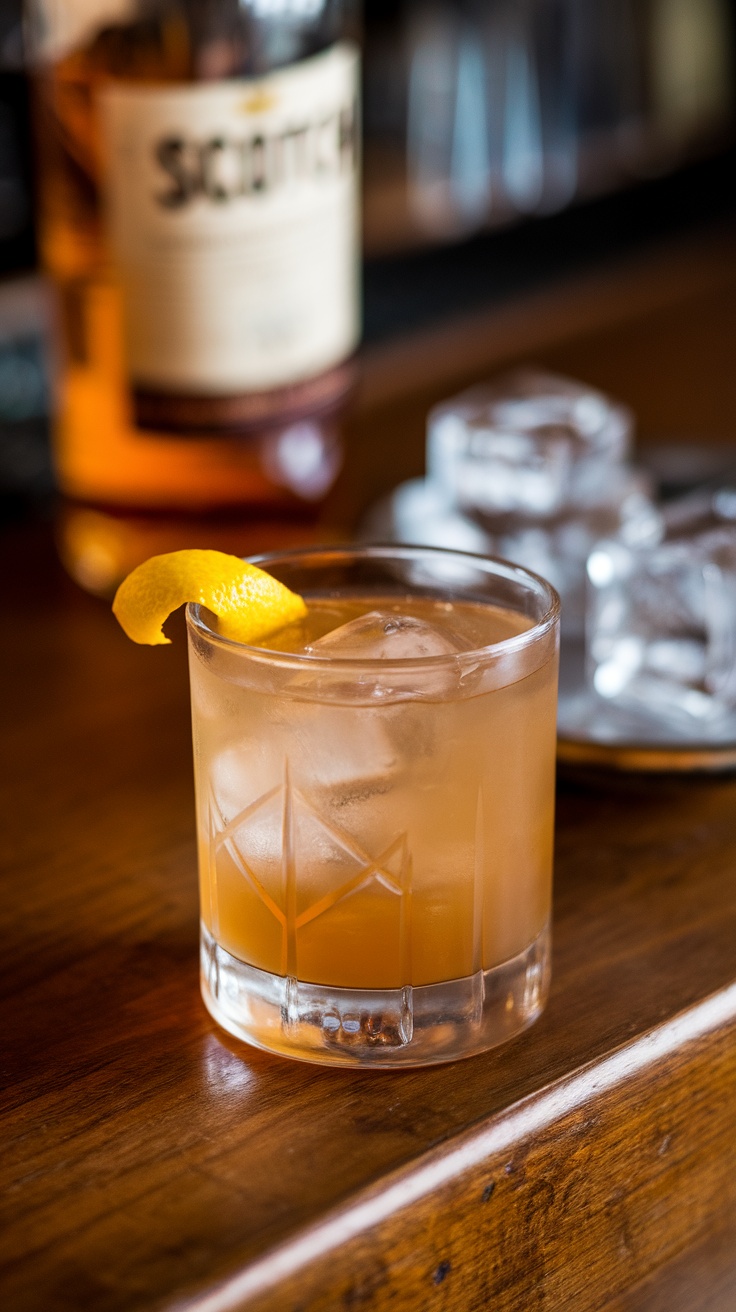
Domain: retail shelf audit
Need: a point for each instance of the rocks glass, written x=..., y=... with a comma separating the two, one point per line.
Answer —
x=375, y=809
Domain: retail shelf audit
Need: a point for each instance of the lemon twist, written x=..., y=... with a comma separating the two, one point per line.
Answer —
x=249, y=604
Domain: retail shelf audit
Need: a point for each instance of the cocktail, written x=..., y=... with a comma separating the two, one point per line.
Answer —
x=375, y=793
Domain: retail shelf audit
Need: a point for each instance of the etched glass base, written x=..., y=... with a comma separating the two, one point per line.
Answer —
x=384, y=1027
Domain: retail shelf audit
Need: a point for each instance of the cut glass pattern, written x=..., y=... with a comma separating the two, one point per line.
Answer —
x=301, y=866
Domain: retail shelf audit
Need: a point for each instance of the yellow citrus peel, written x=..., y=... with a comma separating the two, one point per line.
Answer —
x=249, y=604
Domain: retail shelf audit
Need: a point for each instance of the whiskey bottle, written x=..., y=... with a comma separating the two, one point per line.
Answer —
x=198, y=218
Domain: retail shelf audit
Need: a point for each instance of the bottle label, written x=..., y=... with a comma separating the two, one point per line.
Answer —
x=232, y=212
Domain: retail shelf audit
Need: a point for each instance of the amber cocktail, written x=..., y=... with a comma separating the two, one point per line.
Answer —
x=375, y=793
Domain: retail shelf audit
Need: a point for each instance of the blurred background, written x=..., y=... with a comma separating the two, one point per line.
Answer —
x=479, y=113
x=506, y=142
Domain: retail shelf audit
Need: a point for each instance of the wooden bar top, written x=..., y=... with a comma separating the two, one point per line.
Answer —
x=151, y=1162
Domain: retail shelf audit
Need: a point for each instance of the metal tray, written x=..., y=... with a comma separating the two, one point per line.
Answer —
x=594, y=734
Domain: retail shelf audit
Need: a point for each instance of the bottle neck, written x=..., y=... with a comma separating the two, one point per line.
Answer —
x=205, y=40
x=258, y=36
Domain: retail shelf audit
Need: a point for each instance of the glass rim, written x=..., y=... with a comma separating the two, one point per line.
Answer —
x=390, y=551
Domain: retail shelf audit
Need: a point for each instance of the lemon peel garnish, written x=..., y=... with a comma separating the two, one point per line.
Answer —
x=249, y=604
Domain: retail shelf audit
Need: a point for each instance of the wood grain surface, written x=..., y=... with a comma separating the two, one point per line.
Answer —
x=151, y=1162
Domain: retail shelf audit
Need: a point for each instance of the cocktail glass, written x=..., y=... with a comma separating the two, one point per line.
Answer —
x=375, y=799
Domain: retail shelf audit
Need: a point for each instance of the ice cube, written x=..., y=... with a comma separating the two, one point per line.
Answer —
x=555, y=546
x=529, y=442
x=338, y=744
x=335, y=759
x=242, y=774
x=337, y=729
x=558, y=547
x=661, y=623
x=383, y=635
x=313, y=806
x=378, y=637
